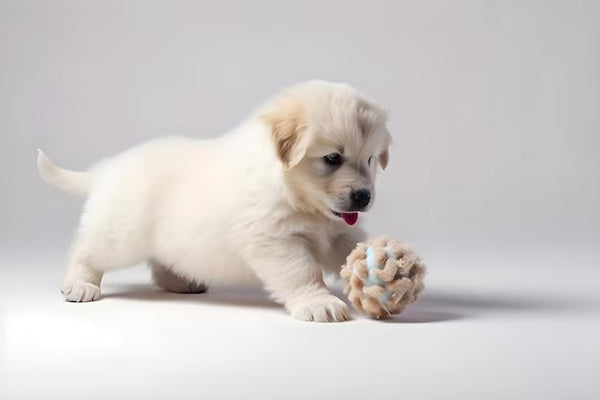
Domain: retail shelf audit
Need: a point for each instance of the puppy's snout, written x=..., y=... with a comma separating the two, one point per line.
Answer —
x=360, y=198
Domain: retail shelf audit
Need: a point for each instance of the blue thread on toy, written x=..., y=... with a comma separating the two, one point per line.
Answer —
x=385, y=297
x=389, y=253
x=371, y=265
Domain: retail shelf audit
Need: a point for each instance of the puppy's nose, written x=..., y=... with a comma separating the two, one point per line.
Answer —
x=361, y=198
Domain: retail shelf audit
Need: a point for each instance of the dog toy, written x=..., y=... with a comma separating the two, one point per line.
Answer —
x=383, y=277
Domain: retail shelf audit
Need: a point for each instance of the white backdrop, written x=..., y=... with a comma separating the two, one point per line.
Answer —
x=494, y=105
x=494, y=176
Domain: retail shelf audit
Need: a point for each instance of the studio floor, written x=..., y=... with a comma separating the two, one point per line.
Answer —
x=510, y=330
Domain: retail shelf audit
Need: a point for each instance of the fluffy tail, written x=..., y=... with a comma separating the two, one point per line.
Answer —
x=70, y=181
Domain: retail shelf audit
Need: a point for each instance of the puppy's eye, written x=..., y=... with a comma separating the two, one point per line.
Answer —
x=333, y=159
x=370, y=160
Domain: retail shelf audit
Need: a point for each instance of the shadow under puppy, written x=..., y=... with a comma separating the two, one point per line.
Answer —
x=277, y=199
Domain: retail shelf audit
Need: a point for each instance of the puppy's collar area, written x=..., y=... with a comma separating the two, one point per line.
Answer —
x=349, y=217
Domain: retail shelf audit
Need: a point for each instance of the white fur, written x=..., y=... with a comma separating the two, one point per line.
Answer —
x=217, y=211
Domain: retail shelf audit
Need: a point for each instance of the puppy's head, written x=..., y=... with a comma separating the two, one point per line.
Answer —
x=330, y=139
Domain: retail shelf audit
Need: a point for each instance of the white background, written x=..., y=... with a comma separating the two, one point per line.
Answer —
x=494, y=176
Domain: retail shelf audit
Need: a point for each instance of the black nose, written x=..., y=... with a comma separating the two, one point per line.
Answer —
x=361, y=197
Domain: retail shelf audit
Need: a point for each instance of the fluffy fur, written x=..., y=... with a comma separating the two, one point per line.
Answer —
x=258, y=202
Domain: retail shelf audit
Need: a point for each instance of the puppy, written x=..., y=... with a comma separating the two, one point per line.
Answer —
x=276, y=199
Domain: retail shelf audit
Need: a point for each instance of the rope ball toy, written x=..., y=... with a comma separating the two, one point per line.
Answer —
x=383, y=277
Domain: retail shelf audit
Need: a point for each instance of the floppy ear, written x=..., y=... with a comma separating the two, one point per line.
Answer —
x=384, y=156
x=288, y=128
x=372, y=117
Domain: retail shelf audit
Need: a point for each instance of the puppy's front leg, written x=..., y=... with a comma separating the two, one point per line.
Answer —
x=341, y=246
x=289, y=271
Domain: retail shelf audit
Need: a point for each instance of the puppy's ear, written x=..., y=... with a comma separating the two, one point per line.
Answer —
x=384, y=159
x=288, y=128
x=372, y=118
x=384, y=156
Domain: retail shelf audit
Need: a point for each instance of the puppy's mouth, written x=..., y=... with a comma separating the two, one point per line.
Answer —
x=349, y=217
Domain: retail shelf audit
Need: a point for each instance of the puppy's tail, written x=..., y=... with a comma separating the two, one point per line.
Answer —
x=73, y=182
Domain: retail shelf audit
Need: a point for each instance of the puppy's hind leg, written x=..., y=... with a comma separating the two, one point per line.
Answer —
x=81, y=282
x=171, y=282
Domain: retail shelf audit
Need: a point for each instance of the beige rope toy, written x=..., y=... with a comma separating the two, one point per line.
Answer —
x=383, y=277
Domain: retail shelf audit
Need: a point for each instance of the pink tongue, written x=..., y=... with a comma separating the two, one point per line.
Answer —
x=350, y=218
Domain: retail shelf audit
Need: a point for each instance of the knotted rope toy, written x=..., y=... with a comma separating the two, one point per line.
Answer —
x=383, y=277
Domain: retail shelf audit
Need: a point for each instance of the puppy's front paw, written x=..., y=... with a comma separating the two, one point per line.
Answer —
x=80, y=291
x=327, y=308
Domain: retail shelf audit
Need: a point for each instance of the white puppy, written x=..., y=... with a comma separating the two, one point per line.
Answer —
x=275, y=199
